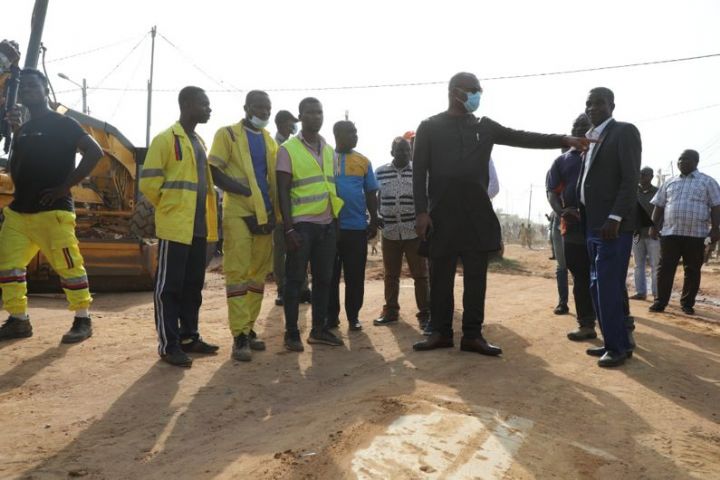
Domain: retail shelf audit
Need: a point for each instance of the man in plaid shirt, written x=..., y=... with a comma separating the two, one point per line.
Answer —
x=687, y=210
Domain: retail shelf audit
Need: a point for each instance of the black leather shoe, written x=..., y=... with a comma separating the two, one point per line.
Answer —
x=479, y=345
x=638, y=296
x=688, y=310
x=600, y=351
x=657, y=307
x=435, y=340
x=385, y=320
x=199, y=346
x=561, y=309
x=612, y=359
x=581, y=334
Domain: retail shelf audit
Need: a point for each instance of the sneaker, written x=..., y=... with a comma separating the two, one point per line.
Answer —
x=279, y=301
x=355, y=326
x=199, y=346
x=306, y=296
x=255, y=343
x=241, y=348
x=15, y=328
x=81, y=329
x=293, y=342
x=385, y=319
x=325, y=337
x=177, y=358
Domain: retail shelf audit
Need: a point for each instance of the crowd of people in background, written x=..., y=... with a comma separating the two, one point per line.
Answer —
x=293, y=202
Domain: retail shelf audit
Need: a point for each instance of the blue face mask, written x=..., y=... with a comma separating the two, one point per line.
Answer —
x=473, y=101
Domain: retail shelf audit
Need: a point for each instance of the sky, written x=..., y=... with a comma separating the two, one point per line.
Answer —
x=296, y=49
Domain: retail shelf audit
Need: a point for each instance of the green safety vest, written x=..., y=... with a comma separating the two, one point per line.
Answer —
x=311, y=187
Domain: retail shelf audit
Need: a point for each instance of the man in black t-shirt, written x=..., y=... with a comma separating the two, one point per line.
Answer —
x=41, y=216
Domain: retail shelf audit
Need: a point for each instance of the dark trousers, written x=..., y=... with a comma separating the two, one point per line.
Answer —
x=578, y=262
x=318, y=248
x=609, y=260
x=692, y=250
x=279, y=254
x=350, y=261
x=178, y=292
x=392, y=252
x=442, y=284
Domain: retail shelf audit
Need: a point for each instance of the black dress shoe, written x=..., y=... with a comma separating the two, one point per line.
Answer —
x=177, y=358
x=581, y=334
x=612, y=359
x=385, y=320
x=688, y=310
x=479, y=345
x=561, y=309
x=600, y=351
x=434, y=341
x=657, y=307
x=638, y=296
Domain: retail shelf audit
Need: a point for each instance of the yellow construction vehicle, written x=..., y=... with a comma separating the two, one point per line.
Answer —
x=115, y=225
x=116, y=231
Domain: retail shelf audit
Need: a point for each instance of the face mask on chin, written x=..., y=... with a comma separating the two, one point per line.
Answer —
x=258, y=122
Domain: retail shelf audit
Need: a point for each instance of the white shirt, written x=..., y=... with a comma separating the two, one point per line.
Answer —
x=593, y=134
x=494, y=184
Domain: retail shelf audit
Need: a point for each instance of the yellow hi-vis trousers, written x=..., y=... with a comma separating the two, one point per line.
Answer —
x=52, y=233
x=247, y=260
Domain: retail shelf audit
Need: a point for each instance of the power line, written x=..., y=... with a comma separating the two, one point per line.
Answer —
x=438, y=82
x=120, y=62
x=676, y=114
x=87, y=52
x=187, y=57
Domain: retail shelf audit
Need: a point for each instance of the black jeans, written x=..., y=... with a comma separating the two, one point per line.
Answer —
x=692, y=251
x=318, y=248
x=578, y=262
x=178, y=292
x=442, y=284
x=350, y=261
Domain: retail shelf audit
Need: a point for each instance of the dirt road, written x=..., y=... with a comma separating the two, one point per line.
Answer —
x=106, y=409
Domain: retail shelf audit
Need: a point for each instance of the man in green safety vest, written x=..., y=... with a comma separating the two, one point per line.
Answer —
x=310, y=207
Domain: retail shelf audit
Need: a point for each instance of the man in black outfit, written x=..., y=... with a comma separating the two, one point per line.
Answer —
x=450, y=181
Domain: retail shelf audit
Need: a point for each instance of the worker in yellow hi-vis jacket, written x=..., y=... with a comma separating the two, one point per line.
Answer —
x=176, y=179
x=243, y=159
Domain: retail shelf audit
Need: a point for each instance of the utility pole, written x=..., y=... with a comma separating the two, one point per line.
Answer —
x=153, y=31
x=83, y=87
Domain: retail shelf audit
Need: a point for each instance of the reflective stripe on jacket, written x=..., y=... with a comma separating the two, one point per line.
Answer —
x=311, y=187
x=169, y=181
x=230, y=153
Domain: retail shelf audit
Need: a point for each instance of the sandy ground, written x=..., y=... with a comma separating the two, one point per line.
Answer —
x=107, y=409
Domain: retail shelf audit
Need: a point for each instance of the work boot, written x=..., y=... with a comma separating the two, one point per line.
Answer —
x=15, y=328
x=81, y=329
x=582, y=333
x=255, y=343
x=241, y=348
x=177, y=358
